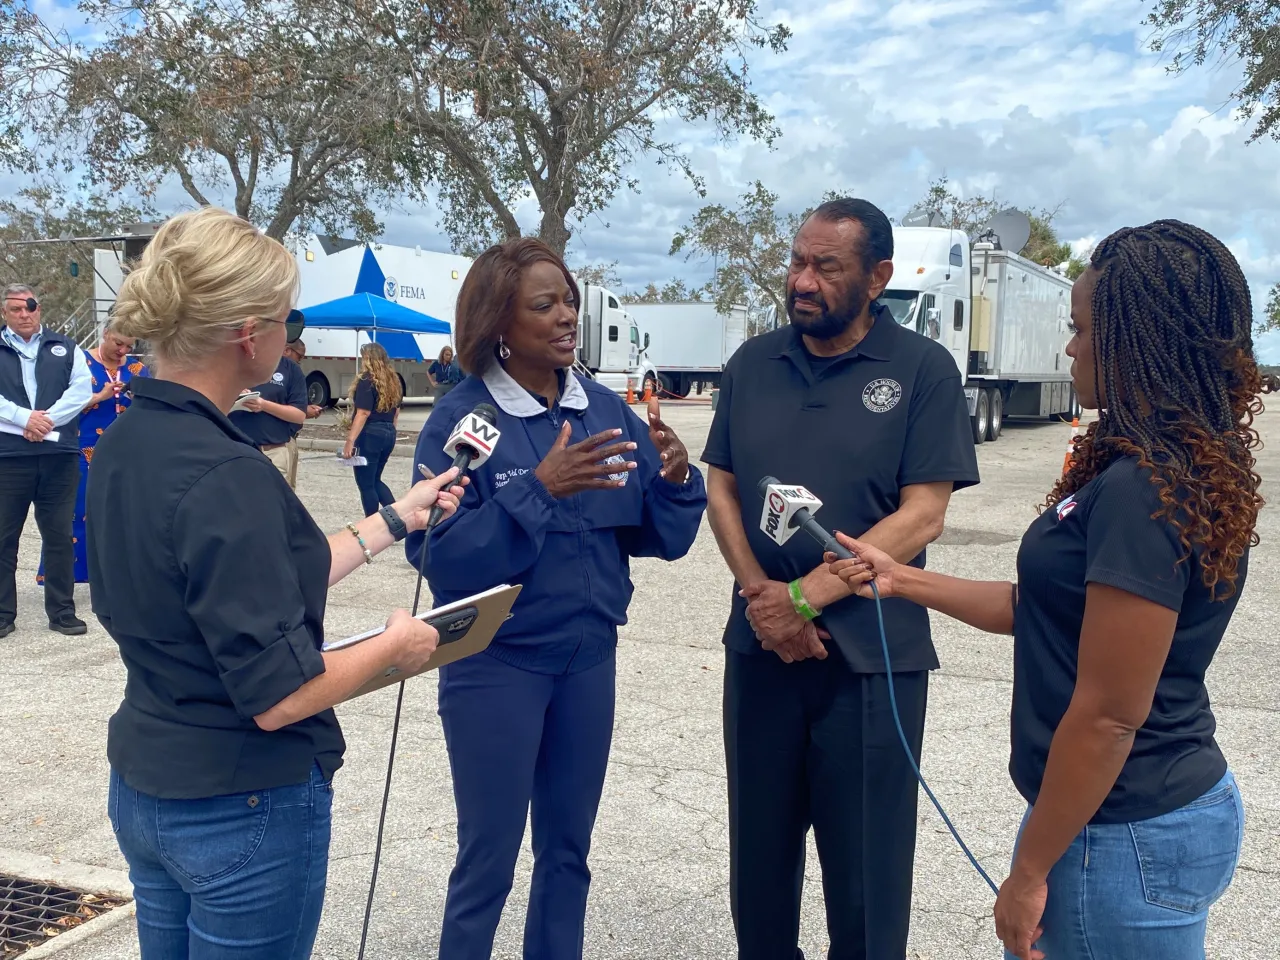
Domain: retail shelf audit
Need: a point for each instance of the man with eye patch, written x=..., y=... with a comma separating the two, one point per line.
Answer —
x=44, y=384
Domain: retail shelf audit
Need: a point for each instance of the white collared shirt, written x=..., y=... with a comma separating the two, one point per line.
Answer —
x=67, y=407
x=516, y=401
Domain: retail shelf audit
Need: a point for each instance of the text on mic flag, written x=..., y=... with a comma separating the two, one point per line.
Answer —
x=781, y=503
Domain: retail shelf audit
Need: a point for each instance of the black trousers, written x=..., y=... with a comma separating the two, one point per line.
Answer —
x=814, y=744
x=48, y=481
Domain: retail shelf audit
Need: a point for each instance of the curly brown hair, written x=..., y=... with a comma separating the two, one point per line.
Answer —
x=1173, y=357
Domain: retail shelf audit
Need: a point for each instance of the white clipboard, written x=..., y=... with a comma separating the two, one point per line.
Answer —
x=466, y=627
x=17, y=431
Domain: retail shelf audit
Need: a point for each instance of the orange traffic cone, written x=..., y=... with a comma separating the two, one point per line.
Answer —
x=631, y=391
x=648, y=393
x=1071, y=445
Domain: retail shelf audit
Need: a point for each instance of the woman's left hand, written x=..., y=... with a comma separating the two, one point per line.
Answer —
x=675, y=458
x=348, y=449
x=415, y=507
x=1019, y=910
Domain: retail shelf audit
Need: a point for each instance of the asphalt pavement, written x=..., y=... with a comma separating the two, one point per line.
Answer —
x=659, y=859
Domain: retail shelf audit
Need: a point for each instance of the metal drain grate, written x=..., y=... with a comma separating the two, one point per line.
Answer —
x=32, y=912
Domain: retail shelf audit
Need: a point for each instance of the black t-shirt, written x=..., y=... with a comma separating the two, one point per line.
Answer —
x=1106, y=534
x=287, y=386
x=211, y=577
x=366, y=398
x=888, y=414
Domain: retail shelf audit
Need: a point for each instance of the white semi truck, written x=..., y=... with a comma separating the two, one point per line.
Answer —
x=686, y=345
x=1004, y=319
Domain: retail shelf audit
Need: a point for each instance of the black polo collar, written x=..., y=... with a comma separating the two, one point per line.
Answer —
x=876, y=345
x=153, y=391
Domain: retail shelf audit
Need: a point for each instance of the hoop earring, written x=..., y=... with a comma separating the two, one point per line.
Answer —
x=504, y=352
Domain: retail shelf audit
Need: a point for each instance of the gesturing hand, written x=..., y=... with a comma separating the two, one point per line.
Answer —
x=675, y=458
x=869, y=563
x=567, y=470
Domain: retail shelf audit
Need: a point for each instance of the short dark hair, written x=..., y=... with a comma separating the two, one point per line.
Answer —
x=877, y=232
x=487, y=300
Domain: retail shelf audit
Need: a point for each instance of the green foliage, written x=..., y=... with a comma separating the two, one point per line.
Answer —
x=675, y=291
x=552, y=101
x=598, y=274
x=244, y=96
x=43, y=213
x=749, y=246
x=970, y=214
x=1197, y=32
x=1270, y=313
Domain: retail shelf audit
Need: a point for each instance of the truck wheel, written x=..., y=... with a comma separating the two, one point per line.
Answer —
x=404, y=388
x=318, y=390
x=996, y=408
x=667, y=385
x=981, y=419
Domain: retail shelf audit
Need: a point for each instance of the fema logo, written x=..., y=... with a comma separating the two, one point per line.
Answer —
x=624, y=476
x=390, y=288
x=881, y=396
x=278, y=377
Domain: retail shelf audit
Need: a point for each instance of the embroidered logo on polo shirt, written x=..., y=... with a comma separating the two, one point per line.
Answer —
x=1064, y=507
x=881, y=396
x=278, y=377
x=624, y=476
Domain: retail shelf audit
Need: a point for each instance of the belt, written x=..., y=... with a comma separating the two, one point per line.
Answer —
x=272, y=446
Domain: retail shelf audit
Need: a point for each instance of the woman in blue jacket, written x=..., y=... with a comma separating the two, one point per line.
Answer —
x=576, y=486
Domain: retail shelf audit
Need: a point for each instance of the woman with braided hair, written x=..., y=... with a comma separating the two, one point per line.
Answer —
x=1126, y=584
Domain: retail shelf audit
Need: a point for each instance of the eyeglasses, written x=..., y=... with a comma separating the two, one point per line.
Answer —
x=31, y=303
x=294, y=324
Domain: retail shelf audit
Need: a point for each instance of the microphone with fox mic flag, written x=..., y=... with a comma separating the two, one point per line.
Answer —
x=788, y=508
x=470, y=445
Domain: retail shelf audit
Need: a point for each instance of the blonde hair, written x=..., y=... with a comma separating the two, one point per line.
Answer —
x=205, y=272
x=375, y=365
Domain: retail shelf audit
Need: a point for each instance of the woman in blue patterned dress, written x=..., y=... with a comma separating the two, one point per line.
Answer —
x=112, y=368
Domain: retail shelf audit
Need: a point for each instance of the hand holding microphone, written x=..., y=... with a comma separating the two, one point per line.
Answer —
x=439, y=493
x=867, y=563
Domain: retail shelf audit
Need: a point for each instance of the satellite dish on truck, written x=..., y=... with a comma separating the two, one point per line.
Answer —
x=922, y=216
x=1009, y=230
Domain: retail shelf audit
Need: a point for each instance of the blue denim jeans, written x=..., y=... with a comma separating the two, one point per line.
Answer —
x=1133, y=890
x=236, y=877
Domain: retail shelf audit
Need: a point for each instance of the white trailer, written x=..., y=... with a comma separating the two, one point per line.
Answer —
x=1004, y=319
x=687, y=344
x=608, y=339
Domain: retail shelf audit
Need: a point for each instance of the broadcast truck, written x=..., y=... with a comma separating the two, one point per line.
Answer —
x=1004, y=319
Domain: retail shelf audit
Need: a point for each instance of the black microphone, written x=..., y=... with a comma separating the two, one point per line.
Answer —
x=470, y=445
x=790, y=508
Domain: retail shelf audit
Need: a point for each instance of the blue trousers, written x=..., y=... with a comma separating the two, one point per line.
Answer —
x=236, y=877
x=375, y=443
x=1143, y=889
x=517, y=740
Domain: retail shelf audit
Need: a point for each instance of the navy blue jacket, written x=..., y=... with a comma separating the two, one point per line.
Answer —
x=571, y=555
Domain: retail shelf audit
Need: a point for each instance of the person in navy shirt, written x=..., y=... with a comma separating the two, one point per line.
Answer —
x=273, y=419
x=576, y=486
x=1126, y=584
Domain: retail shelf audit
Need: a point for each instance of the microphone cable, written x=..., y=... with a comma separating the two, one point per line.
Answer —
x=915, y=767
x=391, y=761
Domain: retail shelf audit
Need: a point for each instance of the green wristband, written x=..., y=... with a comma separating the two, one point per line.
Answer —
x=799, y=602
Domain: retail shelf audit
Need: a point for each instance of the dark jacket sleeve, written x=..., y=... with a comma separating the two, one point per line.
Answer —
x=488, y=540
x=672, y=512
x=232, y=544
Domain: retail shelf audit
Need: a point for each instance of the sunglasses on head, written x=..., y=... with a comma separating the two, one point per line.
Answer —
x=31, y=303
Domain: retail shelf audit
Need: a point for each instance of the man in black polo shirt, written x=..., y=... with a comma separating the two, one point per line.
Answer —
x=272, y=420
x=872, y=419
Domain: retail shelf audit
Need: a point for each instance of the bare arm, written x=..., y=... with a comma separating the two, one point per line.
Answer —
x=724, y=513
x=1115, y=686
x=918, y=521
x=985, y=604
x=345, y=672
x=283, y=411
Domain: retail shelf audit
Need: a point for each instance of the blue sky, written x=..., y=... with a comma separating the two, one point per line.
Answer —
x=1042, y=102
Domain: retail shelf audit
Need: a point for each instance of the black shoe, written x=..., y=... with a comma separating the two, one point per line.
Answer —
x=6, y=629
x=69, y=625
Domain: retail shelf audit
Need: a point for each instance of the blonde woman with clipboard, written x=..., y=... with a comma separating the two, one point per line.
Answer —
x=212, y=578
